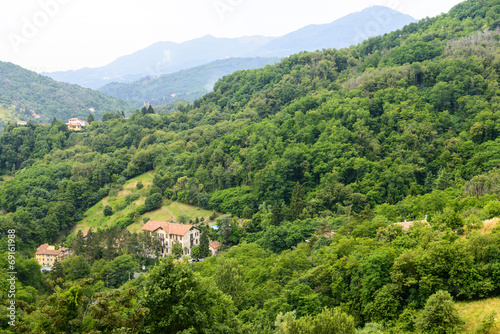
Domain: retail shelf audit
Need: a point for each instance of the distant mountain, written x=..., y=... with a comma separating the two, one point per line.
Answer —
x=24, y=93
x=163, y=58
x=167, y=57
x=187, y=84
x=344, y=32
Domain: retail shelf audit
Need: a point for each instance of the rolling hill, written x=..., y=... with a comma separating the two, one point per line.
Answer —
x=23, y=92
x=189, y=84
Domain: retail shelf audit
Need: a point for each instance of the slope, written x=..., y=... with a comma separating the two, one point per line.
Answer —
x=27, y=91
x=188, y=84
x=344, y=32
x=167, y=57
x=125, y=202
x=162, y=58
x=347, y=141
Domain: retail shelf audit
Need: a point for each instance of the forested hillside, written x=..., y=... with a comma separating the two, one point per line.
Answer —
x=319, y=155
x=190, y=84
x=30, y=92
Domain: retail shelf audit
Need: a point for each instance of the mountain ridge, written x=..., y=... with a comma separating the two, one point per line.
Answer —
x=189, y=84
x=169, y=57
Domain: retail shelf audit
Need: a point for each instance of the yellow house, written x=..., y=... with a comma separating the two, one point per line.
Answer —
x=75, y=124
x=46, y=255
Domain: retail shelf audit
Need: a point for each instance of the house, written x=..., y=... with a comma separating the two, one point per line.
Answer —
x=75, y=124
x=91, y=109
x=406, y=225
x=36, y=116
x=169, y=233
x=46, y=255
x=214, y=246
x=22, y=123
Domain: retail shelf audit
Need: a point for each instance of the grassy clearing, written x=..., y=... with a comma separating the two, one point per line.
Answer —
x=94, y=217
x=488, y=225
x=474, y=312
x=170, y=212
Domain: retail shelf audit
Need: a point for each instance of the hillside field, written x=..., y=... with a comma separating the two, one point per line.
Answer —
x=94, y=217
x=474, y=312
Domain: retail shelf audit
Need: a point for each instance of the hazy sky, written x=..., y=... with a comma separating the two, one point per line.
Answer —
x=50, y=35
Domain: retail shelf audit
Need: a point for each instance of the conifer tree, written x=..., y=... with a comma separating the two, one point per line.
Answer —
x=204, y=245
x=297, y=203
x=276, y=218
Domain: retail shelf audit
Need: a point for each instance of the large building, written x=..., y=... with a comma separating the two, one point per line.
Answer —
x=169, y=233
x=46, y=255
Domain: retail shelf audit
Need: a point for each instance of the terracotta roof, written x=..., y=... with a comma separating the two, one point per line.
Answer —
x=170, y=228
x=179, y=229
x=215, y=244
x=42, y=250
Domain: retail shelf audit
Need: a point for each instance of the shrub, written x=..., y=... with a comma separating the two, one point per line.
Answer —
x=155, y=190
x=108, y=210
x=141, y=209
x=139, y=185
x=448, y=217
x=131, y=198
x=487, y=325
x=472, y=222
x=121, y=180
x=492, y=209
x=124, y=222
x=153, y=202
x=183, y=219
x=440, y=315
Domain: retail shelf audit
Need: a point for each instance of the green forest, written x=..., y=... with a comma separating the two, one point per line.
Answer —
x=306, y=165
x=26, y=92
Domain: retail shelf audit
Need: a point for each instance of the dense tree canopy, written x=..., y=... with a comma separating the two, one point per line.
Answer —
x=311, y=162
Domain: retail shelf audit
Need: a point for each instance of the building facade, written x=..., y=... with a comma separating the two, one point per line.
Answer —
x=170, y=233
x=47, y=255
x=75, y=124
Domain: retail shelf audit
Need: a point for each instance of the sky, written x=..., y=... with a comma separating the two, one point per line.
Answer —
x=55, y=35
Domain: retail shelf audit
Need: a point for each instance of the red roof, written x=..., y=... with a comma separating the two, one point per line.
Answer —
x=170, y=228
x=42, y=250
x=215, y=244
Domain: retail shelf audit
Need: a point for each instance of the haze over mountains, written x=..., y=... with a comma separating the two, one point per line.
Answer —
x=168, y=57
x=189, y=84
